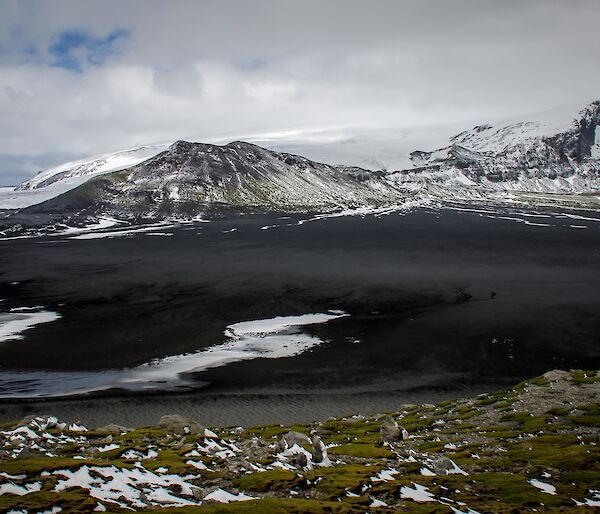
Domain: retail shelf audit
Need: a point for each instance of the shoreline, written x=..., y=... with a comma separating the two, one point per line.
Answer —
x=226, y=409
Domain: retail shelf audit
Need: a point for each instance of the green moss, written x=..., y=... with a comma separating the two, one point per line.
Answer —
x=584, y=377
x=540, y=381
x=267, y=431
x=431, y=446
x=508, y=395
x=361, y=450
x=586, y=415
x=275, y=506
x=415, y=422
x=35, y=465
x=74, y=500
x=489, y=492
x=528, y=422
x=334, y=482
x=173, y=460
x=559, y=411
x=140, y=434
x=271, y=480
x=560, y=451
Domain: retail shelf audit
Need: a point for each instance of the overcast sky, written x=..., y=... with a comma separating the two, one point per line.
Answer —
x=85, y=77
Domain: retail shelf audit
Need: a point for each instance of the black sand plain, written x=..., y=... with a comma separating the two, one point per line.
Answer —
x=442, y=304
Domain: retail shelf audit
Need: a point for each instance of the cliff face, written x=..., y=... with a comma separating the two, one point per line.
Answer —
x=563, y=153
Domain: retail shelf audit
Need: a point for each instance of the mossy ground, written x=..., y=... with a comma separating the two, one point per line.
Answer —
x=499, y=444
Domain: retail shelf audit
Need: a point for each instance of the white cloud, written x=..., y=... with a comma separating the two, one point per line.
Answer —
x=207, y=69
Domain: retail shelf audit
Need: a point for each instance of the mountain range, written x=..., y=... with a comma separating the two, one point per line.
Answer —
x=552, y=157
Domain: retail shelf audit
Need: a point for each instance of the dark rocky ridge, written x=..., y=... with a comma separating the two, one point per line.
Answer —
x=191, y=178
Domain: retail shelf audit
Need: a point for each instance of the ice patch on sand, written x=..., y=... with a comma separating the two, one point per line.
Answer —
x=13, y=323
x=272, y=338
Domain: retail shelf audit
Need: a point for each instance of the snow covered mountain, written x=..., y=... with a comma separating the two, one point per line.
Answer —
x=192, y=178
x=548, y=157
x=59, y=179
x=553, y=152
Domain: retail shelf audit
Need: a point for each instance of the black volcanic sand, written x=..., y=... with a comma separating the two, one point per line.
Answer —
x=442, y=304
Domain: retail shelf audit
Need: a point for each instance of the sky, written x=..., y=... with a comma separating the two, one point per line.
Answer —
x=79, y=78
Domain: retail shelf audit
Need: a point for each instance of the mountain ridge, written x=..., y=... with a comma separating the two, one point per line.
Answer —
x=549, y=159
x=188, y=178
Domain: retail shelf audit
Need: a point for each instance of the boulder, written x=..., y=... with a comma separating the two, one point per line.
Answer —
x=442, y=465
x=300, y=460
x=319, y=452
x=239, y=464
x=112, y=429
x=292, y=438
x=281, y=446
x=176, y=424
x=391, y=431
x=106, y=440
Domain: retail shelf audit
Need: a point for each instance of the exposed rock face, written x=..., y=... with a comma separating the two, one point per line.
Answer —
x=177, y=424
x=190, y=178
x=552, y=155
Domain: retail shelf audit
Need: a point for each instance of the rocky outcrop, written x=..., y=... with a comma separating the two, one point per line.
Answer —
x=176, y=424
x=546, y=155
x=192, y=178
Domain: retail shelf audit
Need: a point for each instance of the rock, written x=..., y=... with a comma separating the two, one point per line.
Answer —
x=319, y=452
x=442, y=465
x=300, y=460
x=280, y=446
x=26, y=453
x=238, y=464
x=43, y=421
x=178, y=445
x=177, y=424
x=176, y=489
x=391, y=431
x=205, y=491
x=113, y=429
x=557, y=375
x=292, y=438
x=197, y=493
x=106, y=440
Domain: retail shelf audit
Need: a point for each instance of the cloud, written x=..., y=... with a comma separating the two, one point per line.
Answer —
x=78, y=78
x=73, y=49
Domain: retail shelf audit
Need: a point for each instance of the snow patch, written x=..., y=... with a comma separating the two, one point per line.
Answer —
x=418, y=493
x=543, y=486
x=12, y=324
x=267, y=339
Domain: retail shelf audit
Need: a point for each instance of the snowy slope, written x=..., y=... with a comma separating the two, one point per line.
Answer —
x=552, y=152
x=59, y=179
